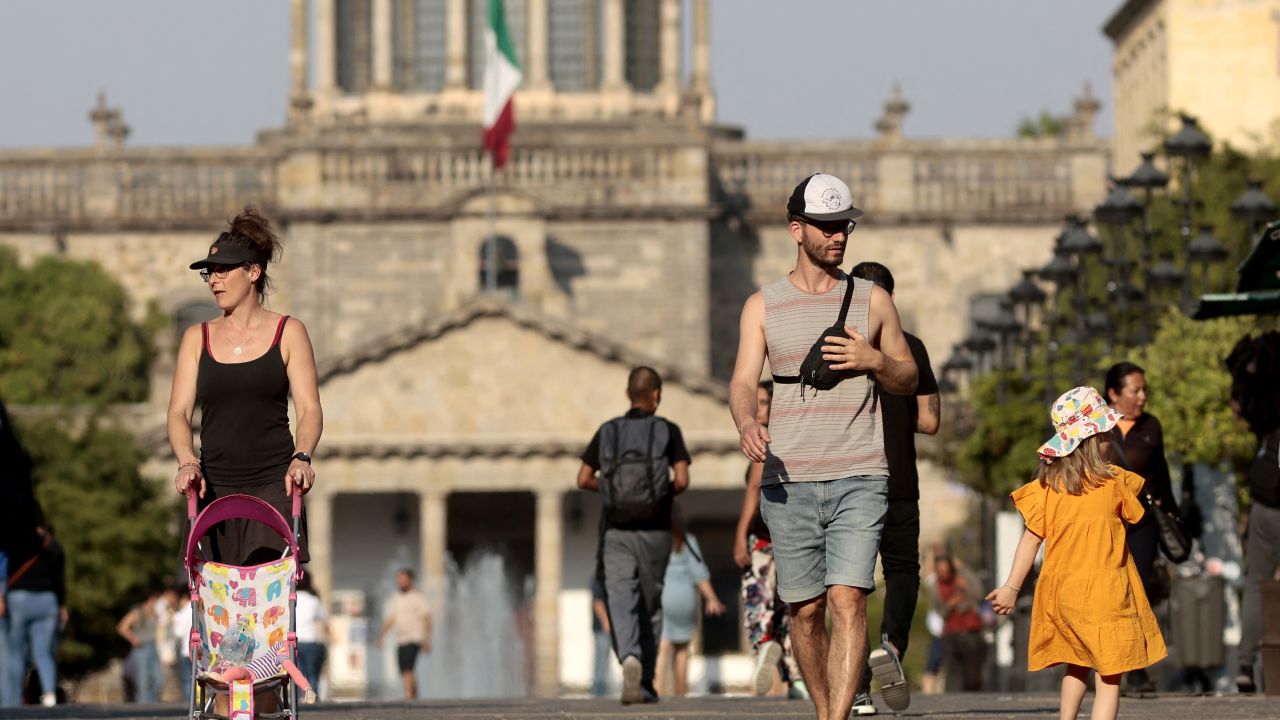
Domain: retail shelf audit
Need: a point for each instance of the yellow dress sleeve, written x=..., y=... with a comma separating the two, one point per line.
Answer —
x=1029, y=499
x=1130, y=484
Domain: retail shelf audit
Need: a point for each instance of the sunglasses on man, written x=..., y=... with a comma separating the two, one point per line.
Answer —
x=833, y=227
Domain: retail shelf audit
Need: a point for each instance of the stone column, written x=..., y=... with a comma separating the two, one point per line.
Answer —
x=382, y=45
x=537, y=24
x=299, y=100
x=455, y=74
x=700, y=78
x=433, y=535
x=615, y=46
x=669, y=48
x=320, y=539
x=548, y=570
x=326, y=46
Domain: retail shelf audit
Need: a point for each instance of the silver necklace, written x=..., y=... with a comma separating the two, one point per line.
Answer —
x=238, y=348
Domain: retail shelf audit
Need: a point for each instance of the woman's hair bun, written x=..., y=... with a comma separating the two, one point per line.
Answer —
x=254, y=227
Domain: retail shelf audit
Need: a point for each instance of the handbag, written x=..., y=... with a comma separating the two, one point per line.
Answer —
x=1173, y=539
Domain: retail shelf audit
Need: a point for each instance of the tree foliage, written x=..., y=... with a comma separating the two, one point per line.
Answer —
x=68, y=352
x=66, y=335
x=995, y=448
x=1045, y=125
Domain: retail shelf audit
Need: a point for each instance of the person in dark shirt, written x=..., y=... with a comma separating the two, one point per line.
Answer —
x=1137, y=444
x=36, y=607
x=632, y=558
x=903, y=416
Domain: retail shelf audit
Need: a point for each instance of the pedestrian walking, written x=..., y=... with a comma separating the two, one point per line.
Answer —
x=638, y=463
x=603, y=647
x=763, y=612
x=140, y=628
x=687, y=579
x=903, y=417
x=309, y=616
x=956, y=597
x=243, y=368
x=824, y=488
x=409, y=615
x=1254, y=364
x=35, y=607
x=1089, y=610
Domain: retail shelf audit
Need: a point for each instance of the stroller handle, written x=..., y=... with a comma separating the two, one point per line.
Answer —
x=193, y=502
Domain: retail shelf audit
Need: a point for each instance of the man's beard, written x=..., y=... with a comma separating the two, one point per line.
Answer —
x=817, y=255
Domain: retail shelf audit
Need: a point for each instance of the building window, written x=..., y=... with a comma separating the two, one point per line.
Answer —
x=573, y=28
x=427, y=57
x=355, y=54
x=642, y=44
x=499, y=266
x=479, y=17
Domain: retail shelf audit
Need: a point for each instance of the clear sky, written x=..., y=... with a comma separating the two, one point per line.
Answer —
x=217, y=72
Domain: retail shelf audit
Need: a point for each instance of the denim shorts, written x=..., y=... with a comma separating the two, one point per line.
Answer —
x=825, y=533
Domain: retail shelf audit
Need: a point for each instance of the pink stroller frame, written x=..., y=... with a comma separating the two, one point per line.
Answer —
x=237, y=599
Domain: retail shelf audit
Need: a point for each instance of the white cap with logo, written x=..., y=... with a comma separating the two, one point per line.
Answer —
x=823, y=197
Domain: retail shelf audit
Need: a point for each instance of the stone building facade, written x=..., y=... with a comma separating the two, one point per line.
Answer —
x=1216, y=59
x=629, y=227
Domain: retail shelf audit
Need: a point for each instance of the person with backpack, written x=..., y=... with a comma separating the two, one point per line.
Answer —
x=638, y=463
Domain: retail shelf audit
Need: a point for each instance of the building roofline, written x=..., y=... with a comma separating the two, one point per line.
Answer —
x=1124, y=17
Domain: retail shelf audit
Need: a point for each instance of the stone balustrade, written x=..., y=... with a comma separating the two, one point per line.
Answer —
x=912, y=181
x=147, y=188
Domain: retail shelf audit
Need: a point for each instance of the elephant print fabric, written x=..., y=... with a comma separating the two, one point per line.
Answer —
x=228, y=593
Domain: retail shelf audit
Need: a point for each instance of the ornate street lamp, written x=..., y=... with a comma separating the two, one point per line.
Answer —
x=1254, y=208
x=1027, y=295
x=1004, y=326
x=1206, y=249
x=980, y=344
x=1189, y=144
x=1148, y=178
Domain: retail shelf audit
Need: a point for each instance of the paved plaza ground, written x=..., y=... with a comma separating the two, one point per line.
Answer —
x=1039, y=706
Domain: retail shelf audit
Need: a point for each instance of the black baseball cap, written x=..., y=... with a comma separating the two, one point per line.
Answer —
x=224, y=251
x=823, y=197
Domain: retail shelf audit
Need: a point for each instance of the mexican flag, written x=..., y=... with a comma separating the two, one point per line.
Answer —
x=501, y=76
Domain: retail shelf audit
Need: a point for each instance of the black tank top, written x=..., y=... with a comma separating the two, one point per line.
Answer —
x=244, y=416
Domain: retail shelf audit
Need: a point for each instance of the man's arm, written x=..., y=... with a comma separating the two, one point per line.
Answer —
x=602, y=613
x=928, y=413
x=680, y=476
x=888, y=359
x=587, y=479
x=743, y=401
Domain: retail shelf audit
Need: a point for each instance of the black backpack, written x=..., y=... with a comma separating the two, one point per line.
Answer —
x=814, y=371
x=635, y=475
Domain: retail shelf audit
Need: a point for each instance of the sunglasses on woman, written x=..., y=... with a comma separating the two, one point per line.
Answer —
x=221, y=273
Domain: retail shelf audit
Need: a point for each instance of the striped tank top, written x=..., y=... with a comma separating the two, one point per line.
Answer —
x=819, y=435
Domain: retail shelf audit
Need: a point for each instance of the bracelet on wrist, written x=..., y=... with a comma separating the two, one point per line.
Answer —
x=190, y=464
x=1017, y=590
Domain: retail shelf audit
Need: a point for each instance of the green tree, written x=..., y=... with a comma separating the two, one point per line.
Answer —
x=1190, y=387
x=68, y=352
x=66, y=335
x=995, y=450
x=1046, y=125
x=114, y=525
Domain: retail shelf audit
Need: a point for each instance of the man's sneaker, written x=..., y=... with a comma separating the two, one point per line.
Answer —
x=797, y=691
x=650, y=696
x=631, y=691
x=887, y=670
x=1244, y=680
x=863, y=705
x=48, y=699
x=767, y=658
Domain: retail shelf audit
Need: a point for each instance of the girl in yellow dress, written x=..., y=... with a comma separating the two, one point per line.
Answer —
x=1090, y=611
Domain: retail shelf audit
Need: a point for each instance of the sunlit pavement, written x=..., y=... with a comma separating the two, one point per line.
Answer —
x=981, y=705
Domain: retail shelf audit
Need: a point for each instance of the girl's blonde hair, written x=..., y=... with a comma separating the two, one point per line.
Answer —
x=1084, y=469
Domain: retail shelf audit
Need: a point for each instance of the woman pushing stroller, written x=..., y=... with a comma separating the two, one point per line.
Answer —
x=242, y=367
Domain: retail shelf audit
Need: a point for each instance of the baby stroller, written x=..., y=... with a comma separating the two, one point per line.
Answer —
x=254, y=602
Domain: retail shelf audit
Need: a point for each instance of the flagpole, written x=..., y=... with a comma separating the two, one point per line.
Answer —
x=491, y=254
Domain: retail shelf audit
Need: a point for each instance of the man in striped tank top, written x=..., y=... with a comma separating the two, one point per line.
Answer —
x=825, y=485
